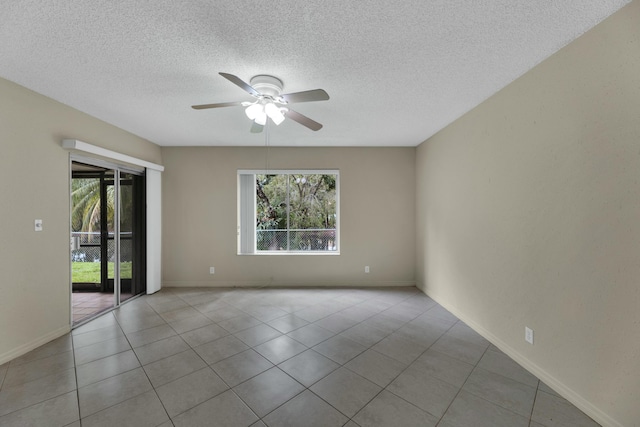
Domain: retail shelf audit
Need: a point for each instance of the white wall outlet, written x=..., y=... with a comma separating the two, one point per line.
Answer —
x=366, y=268
x=38, y=225
x=212, y=270
x=528, y=335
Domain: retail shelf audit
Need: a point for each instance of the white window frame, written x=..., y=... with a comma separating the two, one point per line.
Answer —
x=246, y=218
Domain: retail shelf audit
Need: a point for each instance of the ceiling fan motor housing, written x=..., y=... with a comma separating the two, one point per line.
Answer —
x=267, y=85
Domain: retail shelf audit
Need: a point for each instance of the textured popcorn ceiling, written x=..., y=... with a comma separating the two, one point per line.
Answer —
x=396, y=71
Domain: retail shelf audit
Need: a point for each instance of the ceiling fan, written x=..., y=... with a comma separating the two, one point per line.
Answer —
x=270, y=101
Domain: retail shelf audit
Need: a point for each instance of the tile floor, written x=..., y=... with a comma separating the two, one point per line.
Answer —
x=277, y=357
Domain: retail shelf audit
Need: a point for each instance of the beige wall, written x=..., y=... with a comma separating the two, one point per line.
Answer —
x=377, y=206
x=34, y=180
x=528, y=214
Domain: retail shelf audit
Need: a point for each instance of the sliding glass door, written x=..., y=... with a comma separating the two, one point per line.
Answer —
x=108, y=256
x=132, y=236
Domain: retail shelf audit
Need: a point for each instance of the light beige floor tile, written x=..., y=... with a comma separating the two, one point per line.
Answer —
x=358, y=313
x=107, y=367
x=444, y=367
x=433, y=323
x=203, y=335
x=461, y=331
x=30, y=371
x=241, y=367
x=502, y=364
x=191, y=390
x=422, y=303
x=265, y=313
x=160, y=349
x=399, y=348
x=306, y=409
x=346, y=391
x=147, y=336
x=310, y=335
x=502, y=391
x=173, y=367
x=58, y=411
x=389, y=410
x=460, y=349
x=441, y=313
x=144, y=410
x=403, y=314
x=364, y=334
x=336, y=323
x=468, y=410
x=45, y=388
x=543, y=387
x=194, y=322
x=267, y=391
x=98, y=335
x=134, y=323
x=288, y=323
x=57, y=346
x=167, y=305
x=554, y=411
x=220, y=349
x=375, y=305
x=280, y=349
x=179, y=314
x=339, y=349
x=308, y=367
x=224, y=410
x=420, y=334
x=109, y=392
x=3, y=372
x=376, y=367
x=100, y=322
x=312, y=314
x=257, y=335
x=99, y=350
x=424, y=391
x=223, y=313
x=237, y=324
x=384, y=323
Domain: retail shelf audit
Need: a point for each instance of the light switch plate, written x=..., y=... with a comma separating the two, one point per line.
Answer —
x=528, y=335
x=38, y=225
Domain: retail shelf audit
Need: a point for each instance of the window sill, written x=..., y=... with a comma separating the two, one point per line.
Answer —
x=282, y=253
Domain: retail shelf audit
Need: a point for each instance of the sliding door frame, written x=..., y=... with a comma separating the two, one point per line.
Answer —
x=117, y=169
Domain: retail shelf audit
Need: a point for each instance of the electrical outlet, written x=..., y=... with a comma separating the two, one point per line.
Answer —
x=528, y=335
x=366, y=268
x=212, y=270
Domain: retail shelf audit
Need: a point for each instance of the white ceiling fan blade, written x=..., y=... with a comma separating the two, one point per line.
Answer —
x=217, y=105
x=241, y=83
x=303, y=120
x=306, y=96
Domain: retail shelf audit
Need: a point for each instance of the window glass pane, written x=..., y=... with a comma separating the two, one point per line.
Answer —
x=271, y=212
x=294, y=212
x=312, y=214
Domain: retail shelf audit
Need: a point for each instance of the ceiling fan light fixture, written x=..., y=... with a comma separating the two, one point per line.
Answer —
x=261, y=118
x=274, y=113
x=254, y=110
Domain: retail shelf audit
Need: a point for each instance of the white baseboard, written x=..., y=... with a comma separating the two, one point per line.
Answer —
x=279, y=284
x=576, y=399
x=23, y=349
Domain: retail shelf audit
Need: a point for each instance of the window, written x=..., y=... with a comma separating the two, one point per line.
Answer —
x=288, y=212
